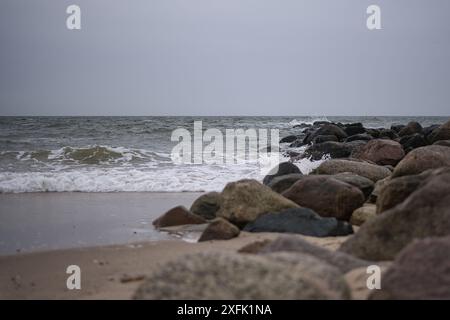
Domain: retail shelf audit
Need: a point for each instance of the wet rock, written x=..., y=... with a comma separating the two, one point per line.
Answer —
x=412, y=142
x=333, y=149
x=362, y=137
x=327, y=196
x=245, y=200
x=425, y=213
x=397, y=127
x=364, y=169
x=234, y=276
x=323, y=138
x=207, y=205
x=177, y=216
x=421, y=271
x=411, y=128
x=354, y=129
x=440, y=133
x=219, y=229
x=281, y=170
x=282, y=183
x=290, y=138
x=421, y=159
x=326, y=129
x=387, y=134
x=380, y=151
x=299, y=220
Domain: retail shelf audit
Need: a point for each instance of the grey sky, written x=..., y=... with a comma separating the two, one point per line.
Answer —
x=225, y=57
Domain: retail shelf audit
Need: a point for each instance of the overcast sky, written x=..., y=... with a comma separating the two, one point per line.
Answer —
x=225, y=57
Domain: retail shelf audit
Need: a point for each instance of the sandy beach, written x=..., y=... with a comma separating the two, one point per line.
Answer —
x=108, y=272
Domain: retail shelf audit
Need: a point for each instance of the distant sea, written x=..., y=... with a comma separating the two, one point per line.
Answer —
x=112, y=154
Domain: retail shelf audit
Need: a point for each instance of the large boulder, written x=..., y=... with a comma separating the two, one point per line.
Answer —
x=444, y=143
x=411, y=128
x=425, y=213
x=362, y=183
x=412, y=142
x=234, y=276
x=324, y=138
x=327, y=196
x=380, y=151
x=440, y=133
x=282, y=183
x=207, y=205
x=359, y=137
x=396, y=190
x=364, y=169
x=245, y=200
x=281, y=169
x=354, y=128
x=421, y=271
x=421, y=159
x=333, y=149
x=289, y=139
x=291, y=243
x=177, y=216
x=299, y=220
x=219, y=229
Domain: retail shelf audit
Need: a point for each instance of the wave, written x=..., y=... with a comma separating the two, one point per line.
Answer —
x=306, y=121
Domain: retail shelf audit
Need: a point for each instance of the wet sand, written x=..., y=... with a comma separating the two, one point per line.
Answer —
x=32, y=222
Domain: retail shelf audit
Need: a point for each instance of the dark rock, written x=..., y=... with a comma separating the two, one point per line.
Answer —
x=397, y=127
x=387, y=133
x=421, y=271
x=327, y=129
x=245, y=200
x=411, y=128
x=177, y=216
x=380, y=151
x=333, y=149
x=412, y=142
x=219, y=229
x=421, y=159
x=373, y=132
x=370, y=171
x=297, y=143
x=290, y=138
x=354, y=129
x=425, y=213
x=340, y=260
x=428, y=130
x=440, y=133
x=361, y=136
x=299, y=220
x=207, y=205
x=327, y=196
x=322, y=138
x=362, y=183
x=232, y=276
x=282, y=183
x=281, y=170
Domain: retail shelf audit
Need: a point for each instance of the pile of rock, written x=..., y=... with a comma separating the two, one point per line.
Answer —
x=393, y=183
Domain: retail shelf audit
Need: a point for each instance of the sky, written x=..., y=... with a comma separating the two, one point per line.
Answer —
x=225, y=57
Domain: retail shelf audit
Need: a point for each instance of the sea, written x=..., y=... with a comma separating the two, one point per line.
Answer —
x=133, y=154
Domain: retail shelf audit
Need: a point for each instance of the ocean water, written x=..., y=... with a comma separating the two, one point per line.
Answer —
x=113, y=154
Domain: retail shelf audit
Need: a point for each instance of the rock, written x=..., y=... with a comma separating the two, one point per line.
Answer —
x=411, y=128
x=333, y=149
x=282, y=169
x=397, y=127
x=219, y=229
x=245, y=200
x=326, y=129
x=387, y=134
x=412, y=142
x=362, y=137
x=421, y=159
x=364, y=169
x=377, y=189
x=362, y=183
x=421, y=271
x=177, y=216
x=425, y=213
x=440, y=133
x=363, y=214
x=282, y=183
x=444, y=143
x=290, y=138
x=323, y=138
x=428, y=130
x=340, y=260
x=232, y=276
x=380, y=151
x=396, y=190
x=207, y=205
x=373, y=132
x=327, y=196
x=297, y=143
x=354, y=128
x=299, y=220
x=254, y=247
